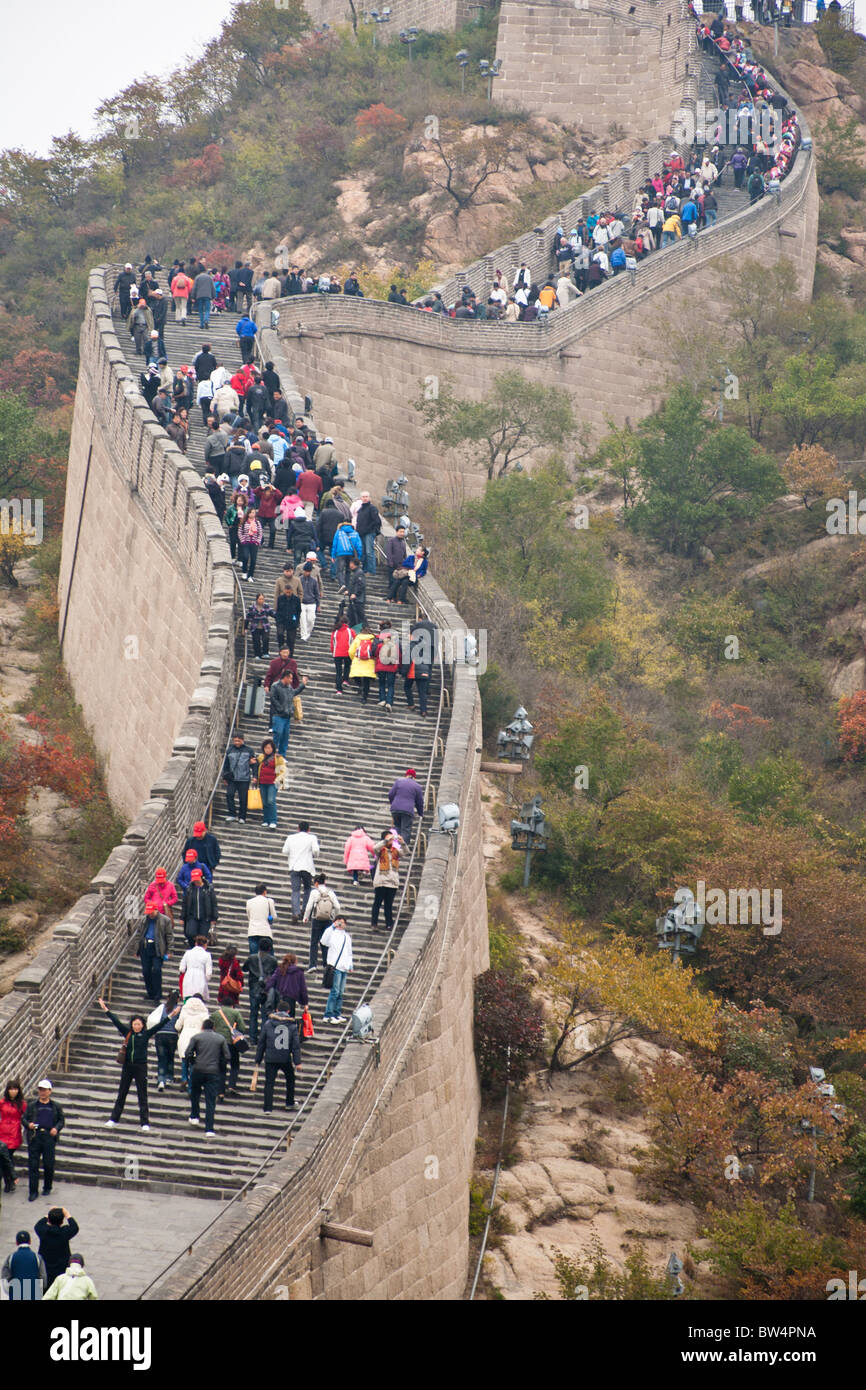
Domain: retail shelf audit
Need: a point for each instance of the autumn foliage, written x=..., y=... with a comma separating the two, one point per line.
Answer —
x=379, y=120
x=851, y=722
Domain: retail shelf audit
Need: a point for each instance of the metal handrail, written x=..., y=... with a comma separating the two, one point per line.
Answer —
x=323, y=1074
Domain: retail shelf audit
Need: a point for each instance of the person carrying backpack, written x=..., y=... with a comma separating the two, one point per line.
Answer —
x=346, y=542
x=386, y=650
x=363, y=667
x=321, y=909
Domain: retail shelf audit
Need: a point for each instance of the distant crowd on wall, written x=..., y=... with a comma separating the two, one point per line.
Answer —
x=788, y=11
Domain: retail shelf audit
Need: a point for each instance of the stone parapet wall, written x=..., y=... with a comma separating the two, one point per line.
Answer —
x=597, y=63
x=426, y=14
x=144, y=558
x=366, y=362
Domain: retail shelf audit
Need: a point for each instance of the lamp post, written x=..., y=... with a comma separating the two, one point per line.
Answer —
x=378, y=17
x=396, y=497
x=463, y=63
x=529, y=833
x=679, y=930
x=490, y=70
x=409, y=37
x=514, y=742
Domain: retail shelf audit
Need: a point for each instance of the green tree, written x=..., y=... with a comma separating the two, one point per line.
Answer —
x=596, y=1277
x=516, y=417
x=840, y=153
x=817, y=401
x=17, y=441
x=695, y=476
x=602, y=739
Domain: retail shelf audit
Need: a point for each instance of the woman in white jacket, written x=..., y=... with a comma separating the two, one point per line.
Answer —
x=196, y=967
x=192, y=1016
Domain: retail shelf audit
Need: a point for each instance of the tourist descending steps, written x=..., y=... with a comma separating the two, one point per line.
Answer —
x=281, y=710
x=153, y=949
x=258, y=622
x=321, y=909
x=133, y=1064
x=200, y=911
x=162, y=893
x=206, y=846
x=184, y=875
x=287, y=606
x=300, y=850
x=270, y=769
x=258, y=967
x=43, y=1121
x=237, y=774
x=356, y=853
x=386, y=878
x=165, y=1038
x=205, y=1057
x=363, y=668
x=196, y=968
x=339, y=946
x=280, y=1048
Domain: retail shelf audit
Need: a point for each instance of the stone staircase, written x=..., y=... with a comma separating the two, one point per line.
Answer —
x=342, y=759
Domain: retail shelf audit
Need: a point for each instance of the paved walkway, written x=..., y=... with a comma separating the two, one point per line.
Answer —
x=126, y=1238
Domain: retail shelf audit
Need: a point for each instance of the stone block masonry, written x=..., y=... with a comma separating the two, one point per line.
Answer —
x=426, y=14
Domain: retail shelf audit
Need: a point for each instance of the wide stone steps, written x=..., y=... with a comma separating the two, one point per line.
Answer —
x=342, y=759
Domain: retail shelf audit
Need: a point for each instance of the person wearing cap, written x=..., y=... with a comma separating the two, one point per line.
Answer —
x=325, y=461
x=406, y=800
x=73, y=1285
x=56, y=1231
x=190, y=862
x=140, y=324
x=24, y=1276
x=122, y=286
x=205, y=844
x=162, y=893
x=154, y=946
x=158, y=305
x=199, y=911
x=43, y=1121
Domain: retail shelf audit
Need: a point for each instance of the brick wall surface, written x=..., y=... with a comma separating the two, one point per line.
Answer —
x=426, y=14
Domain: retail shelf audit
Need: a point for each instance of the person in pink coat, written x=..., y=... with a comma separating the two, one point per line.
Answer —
x=163, y=893
x=357, y=852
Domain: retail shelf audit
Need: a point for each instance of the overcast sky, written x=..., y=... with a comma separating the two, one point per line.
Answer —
x=63, y=57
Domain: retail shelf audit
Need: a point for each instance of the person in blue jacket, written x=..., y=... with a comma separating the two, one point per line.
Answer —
x=190, y=862
x=345, y=544
x=246, y=331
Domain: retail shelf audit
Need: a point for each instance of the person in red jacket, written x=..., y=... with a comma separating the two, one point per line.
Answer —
x=11, y=1114
x=162, y=893
x=386, y=649
x=341, y=637
x=284, y=662
x=269, y=499
x=309, y=489
x=239, y=383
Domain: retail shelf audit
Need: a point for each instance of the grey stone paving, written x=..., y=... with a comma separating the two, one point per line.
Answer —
x=126, y=1238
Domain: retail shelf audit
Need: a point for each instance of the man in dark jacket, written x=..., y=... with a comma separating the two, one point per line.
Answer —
x=122, y=285
x=43, y=1121
x=159, y=310
x=154, y=947
x=245, y=289
x=300, y=537
x=205, y=844
x=396, y=551
x=279, y=408
x=287, y=606
x=56, y=1231
x=422, y=652
x=329, y=519
x=204, y=363
x=368, y=524
x=24, y=1275
x=256, y=402
x=357, y=592
x=203, y=293
x=205, y=1055
x=258, y=968
x=281, y=712
x=280, y=1046
x=199, y=911
x=236, y=775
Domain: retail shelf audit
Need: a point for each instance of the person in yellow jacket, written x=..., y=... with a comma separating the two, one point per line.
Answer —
x=672, y=228
x=74, y=1285
x=363, y=661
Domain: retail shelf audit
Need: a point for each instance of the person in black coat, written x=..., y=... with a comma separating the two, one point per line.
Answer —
x=357, y=591
x=419, y=654
x=136, y=1037
x=56, y=1232
x=43, y=1121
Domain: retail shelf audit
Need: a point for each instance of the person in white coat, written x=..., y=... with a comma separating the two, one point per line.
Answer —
x=196, y=966
x=566, y=291
x=339, y=946
x=192, y=1016
x=301, y=849
x=261, y=914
